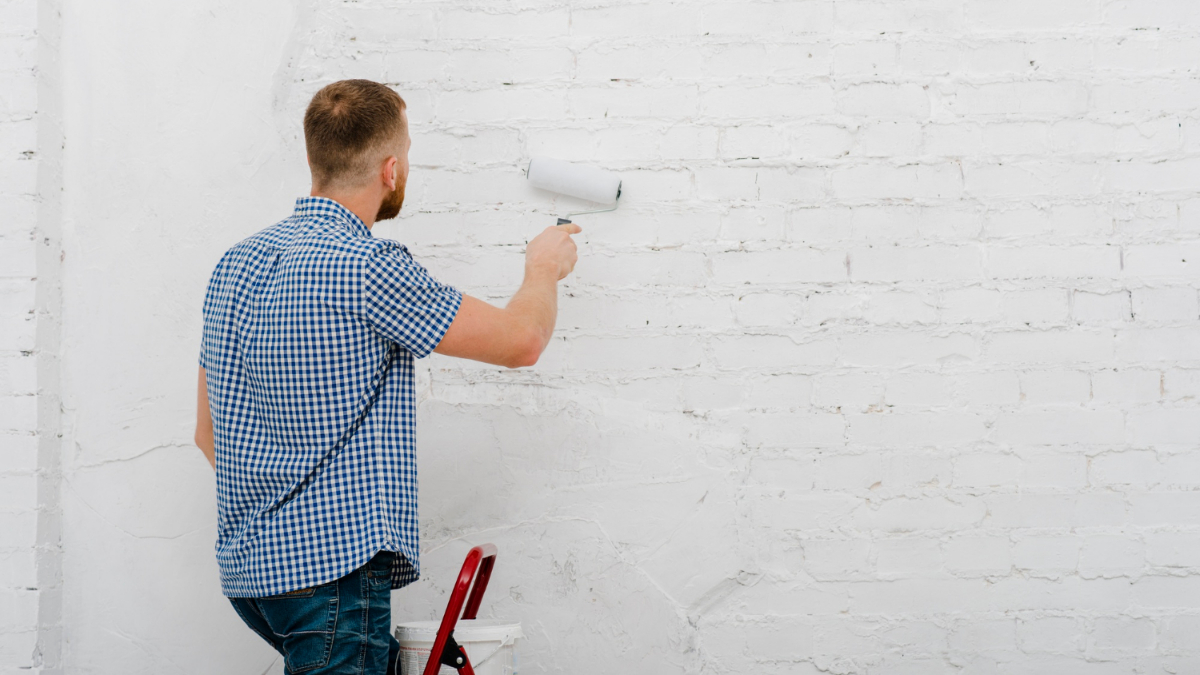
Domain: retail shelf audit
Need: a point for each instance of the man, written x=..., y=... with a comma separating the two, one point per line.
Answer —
x=305, y=402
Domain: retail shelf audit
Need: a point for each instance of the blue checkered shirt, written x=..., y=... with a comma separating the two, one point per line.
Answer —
x=310, y=329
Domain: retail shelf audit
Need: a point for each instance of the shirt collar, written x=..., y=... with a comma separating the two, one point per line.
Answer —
x=324, y=207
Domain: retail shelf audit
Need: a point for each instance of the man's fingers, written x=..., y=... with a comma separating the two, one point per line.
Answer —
x=571, y=228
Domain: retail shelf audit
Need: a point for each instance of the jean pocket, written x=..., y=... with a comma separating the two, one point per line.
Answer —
x=305, y=624
x=379, y=569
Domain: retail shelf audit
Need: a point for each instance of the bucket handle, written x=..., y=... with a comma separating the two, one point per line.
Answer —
x=508, y=640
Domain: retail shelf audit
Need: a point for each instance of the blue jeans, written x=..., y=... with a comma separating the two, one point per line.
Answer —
x=339, y=628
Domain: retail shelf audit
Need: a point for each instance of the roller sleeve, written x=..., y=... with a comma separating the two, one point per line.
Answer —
x=576, y=180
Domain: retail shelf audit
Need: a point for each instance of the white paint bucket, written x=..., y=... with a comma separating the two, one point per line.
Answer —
x=491, y=646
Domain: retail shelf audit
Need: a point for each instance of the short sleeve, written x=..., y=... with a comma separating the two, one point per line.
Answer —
x=405, y=304
x=211, y=317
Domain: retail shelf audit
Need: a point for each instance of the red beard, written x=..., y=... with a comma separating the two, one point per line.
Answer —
x=390, y=208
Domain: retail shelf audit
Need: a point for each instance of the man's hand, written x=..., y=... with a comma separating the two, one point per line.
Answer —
x=516, y=335
x=553, y=249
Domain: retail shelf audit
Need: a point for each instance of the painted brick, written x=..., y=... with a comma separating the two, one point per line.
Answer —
x=1178, y=633
x=757, y=18
x=771, y=352
x=1122, y=636
x=1157, y=345
x=876, y=181
x=1166, y=304
x=970, y=305
x=988, y=389
x=885, y=101
x=1127, y=386
x=892, y=349
x=837, y=559
x=1050, y=634
x=18, y=414
x=1055, y=386
x=781, y=391
x=767, y=102
x=848, y=472
x=20, y=454
x=851, y=390
x=918, y=390
x=1055, y=347
x=900, y=308
x=18, y=610
x=1032, y=99
x=1167, y=176
x=877, y=16
x=867, y=58
x=1180, y=261
x=1029, y=14
x=978, y=556
x=1101, y=307
x=1167, y=14
x=1059, y=426
x=1137, y=467
x=463, y=24
x=890, y=139
x=987, y=470
x=1042, y=469
x=985, y=636
x=1046, y=307
x=634, y=20
x=1111, y=555
x=1172, y=550
x=891, y=263
x=738, y=60
x=913, y=429
x=1163, y=426
x=908, y=557
x=780, y=266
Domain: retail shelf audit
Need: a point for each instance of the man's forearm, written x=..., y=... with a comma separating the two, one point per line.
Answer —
x=515, y=336
x=535, y=304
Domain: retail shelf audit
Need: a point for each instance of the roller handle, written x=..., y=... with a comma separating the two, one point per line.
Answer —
x=563, y=221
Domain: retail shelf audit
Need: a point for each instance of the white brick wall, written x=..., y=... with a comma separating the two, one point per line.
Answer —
x=888, y=362
x=26, y=597
x=959, y=228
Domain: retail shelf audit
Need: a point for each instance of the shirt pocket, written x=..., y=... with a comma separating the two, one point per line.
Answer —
x=304, y=622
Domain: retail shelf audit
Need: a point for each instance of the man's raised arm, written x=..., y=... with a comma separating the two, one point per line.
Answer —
x=516, y=335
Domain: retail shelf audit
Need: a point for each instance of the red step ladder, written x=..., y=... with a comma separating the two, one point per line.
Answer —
x=445, y=650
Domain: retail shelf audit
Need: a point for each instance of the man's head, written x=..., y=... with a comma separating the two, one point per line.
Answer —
x=356, y=132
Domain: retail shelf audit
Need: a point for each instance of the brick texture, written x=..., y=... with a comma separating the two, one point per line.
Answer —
x=18, y=380
x=902, y=287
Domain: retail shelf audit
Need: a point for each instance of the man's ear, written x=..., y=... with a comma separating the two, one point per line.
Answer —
x=391, y=170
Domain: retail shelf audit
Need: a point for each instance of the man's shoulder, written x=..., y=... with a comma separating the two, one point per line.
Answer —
x=265, y=240
x=307, y=242
x=390, y=249
x=298, y=236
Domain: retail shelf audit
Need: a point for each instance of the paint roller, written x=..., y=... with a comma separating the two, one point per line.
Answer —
x=575, y=180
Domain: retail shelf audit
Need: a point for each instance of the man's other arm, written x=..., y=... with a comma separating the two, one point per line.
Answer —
x=516, y=335
x=204, y=427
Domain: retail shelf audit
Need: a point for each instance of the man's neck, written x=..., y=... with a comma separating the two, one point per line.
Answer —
x=361, y=203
